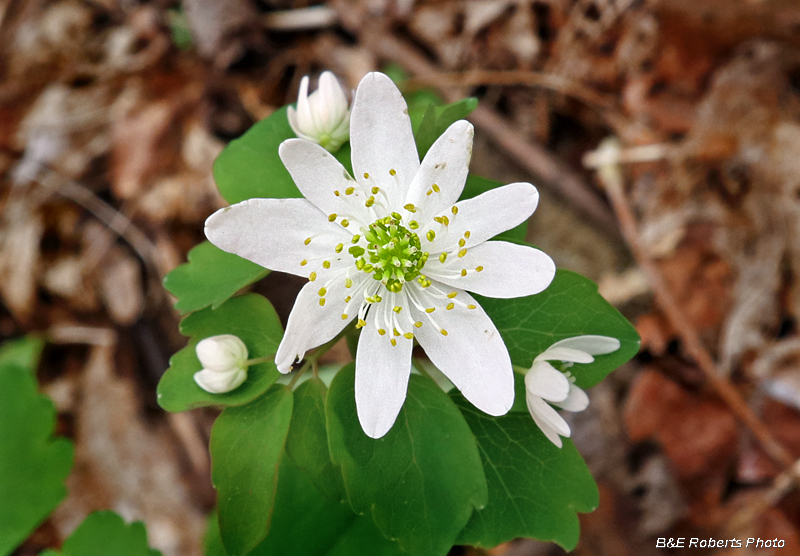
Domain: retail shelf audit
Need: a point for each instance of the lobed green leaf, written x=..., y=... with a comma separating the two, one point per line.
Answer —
x=422, y=480
x=246, y=447
x=210, y=278
x=535, y=488
x=104, y=534
x=250, y=317
x=33, y=465
x=570, y=306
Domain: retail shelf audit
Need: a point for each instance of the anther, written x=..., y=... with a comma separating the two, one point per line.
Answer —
x=307, y=241
x=369, y=202
x=462, y=253
x=332, y=217
x=339, y=248
x=304, y=262
x=408, y=336
x=394, y=342
x=349, y=190
x=347, y=299
x=326, y=264
x=366, y=176
x=471, y=306
x=462, y=242
x=322, y=302
x=451, y=295
x=336, y=192
x=435, y=188
x=478, y=268
x=430, y=310
x=322, y=292
x=345, y=223
x=410, y=208
x=397, y=309
x=442, y=257
x=431, y=235
x=450, y=306
x=467, y=233
x=418, y=324
x=312, y=276
x=348, y=283
x=381, y=331
x=375, y=190
x=454, y=210
x=392, y=172
x=413, y=224
x=344, y=316
x=361, y=323
x=463, y=272
x=443, y=331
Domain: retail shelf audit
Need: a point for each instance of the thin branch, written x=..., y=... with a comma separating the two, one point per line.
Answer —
x=611, y=177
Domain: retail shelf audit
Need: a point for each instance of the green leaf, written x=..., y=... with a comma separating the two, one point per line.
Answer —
x=570, y=306
x=210, y=277
x=477, y=185
x=308, y=524
x=437, y=119
x=251, y=318
x=535, y=488
x=307, y=443
x=422, y=480
x=246, y=447
x=249, y=167
x=103, y=534
x=24, y=353
x=33, y=465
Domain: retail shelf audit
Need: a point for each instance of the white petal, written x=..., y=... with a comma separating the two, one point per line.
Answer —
x=548, y=420
x=334, y=101
x=592, y=344
x=222, y=352
x=472, y=354
x=294, y=123
x=381, y=137
x=546, y=382
x=507, y=270
x=559, y=353
x=577, y=400
x=219, y=383
x=446, y=164
x=305, y=118
x=382, y=372
x=318, y=175
x=484, y=217
x=272, y=233
x=311, y=324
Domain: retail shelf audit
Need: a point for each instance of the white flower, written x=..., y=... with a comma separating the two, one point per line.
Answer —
x=544, y=383
x=393, y=249
x=323, y=116
x=224, y=360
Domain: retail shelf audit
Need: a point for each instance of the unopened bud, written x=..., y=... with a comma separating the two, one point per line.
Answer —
x=323, y=116
x=224, y=361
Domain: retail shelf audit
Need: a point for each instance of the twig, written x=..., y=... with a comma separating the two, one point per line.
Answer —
x=551, y=81
x=313, y=17
x=559, y=178
x=611, y=177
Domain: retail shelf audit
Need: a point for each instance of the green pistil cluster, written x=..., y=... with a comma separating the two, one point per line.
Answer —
x=393, y=254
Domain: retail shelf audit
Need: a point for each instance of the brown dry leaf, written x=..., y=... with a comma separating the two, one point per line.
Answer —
x=696, y=433
x=20, y=236
x=121, y=287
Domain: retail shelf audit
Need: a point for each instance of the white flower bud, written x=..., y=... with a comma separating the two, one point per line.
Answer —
x=224, y=360
x=323, y=116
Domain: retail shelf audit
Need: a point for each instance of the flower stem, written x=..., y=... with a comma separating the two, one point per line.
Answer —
x=258, y=360
x=421, y=369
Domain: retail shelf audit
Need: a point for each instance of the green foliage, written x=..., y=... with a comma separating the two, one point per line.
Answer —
x=250, y=167
x=307, y=443
x=570, y=306
x=422, y=480
x=437, y=119
x=24, y=353
x=105, y=534
x=250, y=317
x=179, y=26
x=246, y=447
x=33, y=465
x=210, y=277
x=535, y=488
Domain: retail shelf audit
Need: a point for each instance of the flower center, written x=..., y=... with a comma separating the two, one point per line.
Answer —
x=393, y=254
